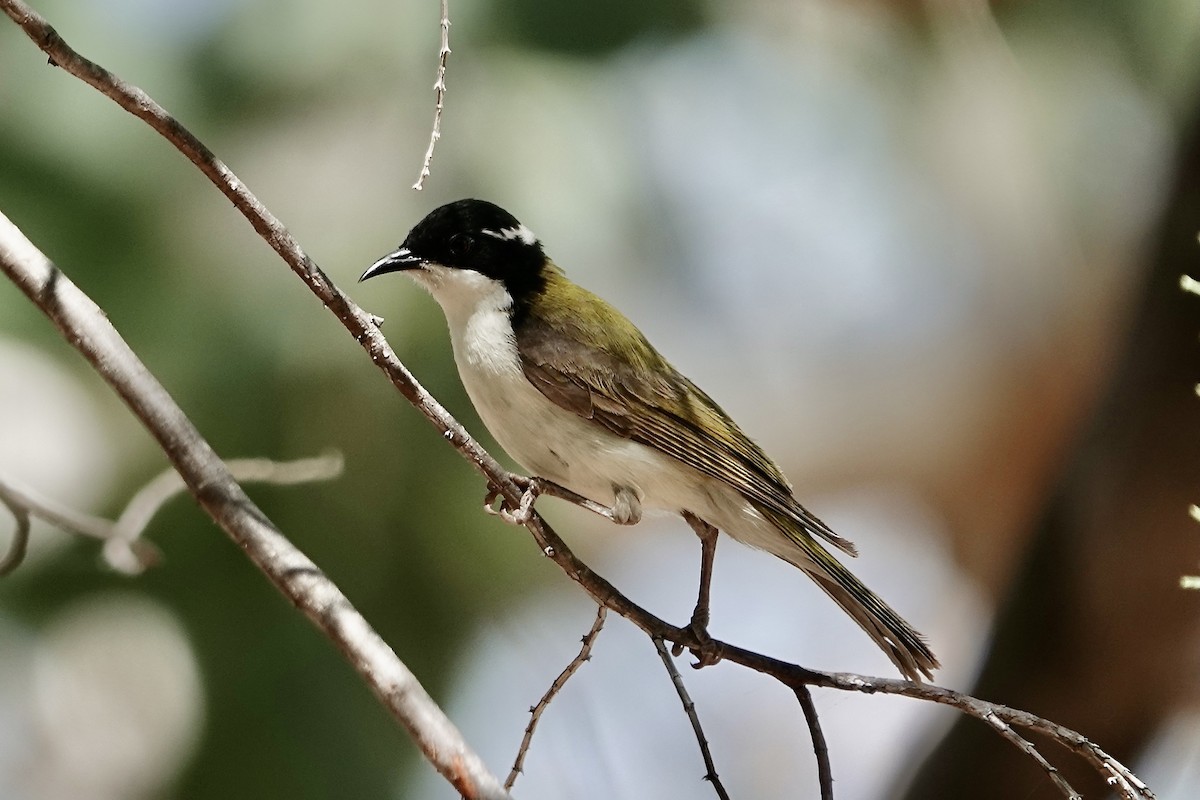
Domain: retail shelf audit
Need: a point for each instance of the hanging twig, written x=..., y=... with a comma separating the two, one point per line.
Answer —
x=439, y=93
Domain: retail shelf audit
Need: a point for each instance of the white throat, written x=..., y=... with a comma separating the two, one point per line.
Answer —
x=477, y=310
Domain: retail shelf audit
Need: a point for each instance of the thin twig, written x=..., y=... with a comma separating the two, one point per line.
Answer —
x=1115, y=774
x=1027, y=747
x=689, y=708
x=123, y=549
x=362, y=327
x=20, y=538
x=57, y=514
x=439, y=93
x=535, y=713
x=820, y=748
x=120, y=550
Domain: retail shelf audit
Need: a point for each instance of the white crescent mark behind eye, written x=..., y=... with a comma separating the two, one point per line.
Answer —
x=508, y=234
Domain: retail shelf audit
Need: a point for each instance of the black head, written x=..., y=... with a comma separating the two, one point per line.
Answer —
x=473, y=235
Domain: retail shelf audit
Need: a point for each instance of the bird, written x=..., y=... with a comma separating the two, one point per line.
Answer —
x=577, y=395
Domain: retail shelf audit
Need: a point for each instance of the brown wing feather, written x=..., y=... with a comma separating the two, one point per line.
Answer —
x=654, y=404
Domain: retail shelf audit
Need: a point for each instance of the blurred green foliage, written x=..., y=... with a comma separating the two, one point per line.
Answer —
x=592, y=29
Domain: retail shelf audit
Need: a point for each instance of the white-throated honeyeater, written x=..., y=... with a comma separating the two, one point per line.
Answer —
x=577, y=395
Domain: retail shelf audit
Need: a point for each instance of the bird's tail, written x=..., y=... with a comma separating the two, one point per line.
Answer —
x=902, y=644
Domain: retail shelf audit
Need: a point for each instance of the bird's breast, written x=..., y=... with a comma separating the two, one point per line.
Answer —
x=485, y=352
x=554, y=443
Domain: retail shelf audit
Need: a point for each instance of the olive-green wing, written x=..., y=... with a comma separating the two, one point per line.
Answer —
x=652, y=403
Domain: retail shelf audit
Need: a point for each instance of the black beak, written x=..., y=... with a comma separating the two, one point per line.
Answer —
x=393, y=262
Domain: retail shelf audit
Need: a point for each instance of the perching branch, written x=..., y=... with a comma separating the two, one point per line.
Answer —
x=85, y=327
x=124, y=551
x=439, y=93
x=535, y=713
x=214, y=490
x=689, y=708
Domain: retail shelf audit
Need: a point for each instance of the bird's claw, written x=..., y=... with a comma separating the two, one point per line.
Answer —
x=519, y=516
x=706, y=651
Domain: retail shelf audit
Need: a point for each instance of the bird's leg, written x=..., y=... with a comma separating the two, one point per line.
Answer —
x=626, y=508
x=706, y=654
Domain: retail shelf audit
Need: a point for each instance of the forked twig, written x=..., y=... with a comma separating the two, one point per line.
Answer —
x=1028, y=748
x=535, y=713
x=439, y=92
x=689, y=708
x=124, y=549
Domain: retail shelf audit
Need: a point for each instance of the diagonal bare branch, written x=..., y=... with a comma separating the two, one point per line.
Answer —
x=689, y=708
x=85, y=326
x=820, y=748
x=535, y=713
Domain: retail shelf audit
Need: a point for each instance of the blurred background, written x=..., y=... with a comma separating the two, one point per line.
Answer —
x=927, y=253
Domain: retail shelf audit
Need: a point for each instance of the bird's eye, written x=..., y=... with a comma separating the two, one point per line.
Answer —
x=461, y=244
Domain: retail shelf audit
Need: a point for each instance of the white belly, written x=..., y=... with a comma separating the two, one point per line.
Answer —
x=579, y=454
x=549, y=441
x=560, y=446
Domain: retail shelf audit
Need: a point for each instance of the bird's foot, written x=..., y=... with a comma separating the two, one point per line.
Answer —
x=706, y=651
x=530, y=489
